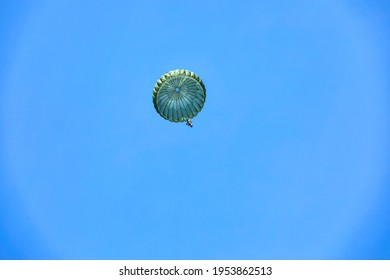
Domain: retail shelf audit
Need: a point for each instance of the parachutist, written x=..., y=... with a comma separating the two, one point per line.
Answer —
x=189, y=122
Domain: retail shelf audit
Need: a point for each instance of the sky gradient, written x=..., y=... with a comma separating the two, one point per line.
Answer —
x=288, y=159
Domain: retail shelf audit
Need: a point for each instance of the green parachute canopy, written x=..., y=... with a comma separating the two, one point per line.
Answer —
x=179, y=95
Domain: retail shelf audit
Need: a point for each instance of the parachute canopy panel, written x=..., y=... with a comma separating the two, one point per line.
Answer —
x=179, y=95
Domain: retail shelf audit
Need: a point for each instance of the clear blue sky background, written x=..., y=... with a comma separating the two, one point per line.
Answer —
x=289, y=158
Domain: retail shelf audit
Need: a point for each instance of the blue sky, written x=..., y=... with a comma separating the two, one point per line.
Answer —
x=289, y=158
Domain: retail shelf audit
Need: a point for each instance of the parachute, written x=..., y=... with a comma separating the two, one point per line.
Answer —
x=179, y=95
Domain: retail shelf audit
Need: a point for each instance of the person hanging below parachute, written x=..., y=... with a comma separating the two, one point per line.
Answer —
x=179, y=95
x=189, y=123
